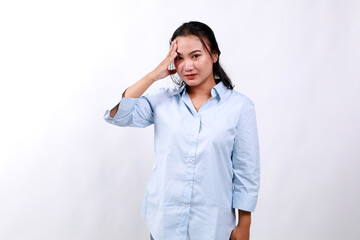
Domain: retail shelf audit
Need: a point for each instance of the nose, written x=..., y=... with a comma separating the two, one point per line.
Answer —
x=189, y=66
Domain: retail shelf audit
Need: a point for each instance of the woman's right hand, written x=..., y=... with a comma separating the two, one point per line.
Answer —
x=162, y=70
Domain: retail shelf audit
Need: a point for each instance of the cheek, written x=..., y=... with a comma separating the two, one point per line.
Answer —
x=204, y=65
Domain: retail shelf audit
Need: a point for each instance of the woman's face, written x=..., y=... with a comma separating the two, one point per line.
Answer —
x=193, y=63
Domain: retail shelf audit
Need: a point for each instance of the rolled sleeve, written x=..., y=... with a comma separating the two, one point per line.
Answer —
x=132, y=112
x=246, y=160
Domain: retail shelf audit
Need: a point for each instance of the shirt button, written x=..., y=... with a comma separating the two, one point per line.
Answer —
x=122, y=104
x=189, y=183
x=191, y=160
x=186, y=206
x=194, y=137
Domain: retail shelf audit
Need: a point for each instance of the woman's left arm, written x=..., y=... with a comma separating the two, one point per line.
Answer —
x=246, y=170
x=246, y=160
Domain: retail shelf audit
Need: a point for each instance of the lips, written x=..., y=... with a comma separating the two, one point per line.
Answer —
x=190, y=76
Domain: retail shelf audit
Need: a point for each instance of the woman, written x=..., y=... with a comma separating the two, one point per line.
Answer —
x=206, y=144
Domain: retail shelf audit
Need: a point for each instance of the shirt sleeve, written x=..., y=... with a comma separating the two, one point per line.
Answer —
x=246, y=160
x=132, y=112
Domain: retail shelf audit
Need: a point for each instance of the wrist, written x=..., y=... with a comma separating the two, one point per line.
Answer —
x=243, y=224
x=151, y=77
x=244, y=219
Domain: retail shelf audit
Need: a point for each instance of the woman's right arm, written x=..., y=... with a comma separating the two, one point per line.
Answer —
x=136, y=90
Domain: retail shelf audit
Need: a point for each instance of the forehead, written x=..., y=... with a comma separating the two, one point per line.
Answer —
x=189, y=43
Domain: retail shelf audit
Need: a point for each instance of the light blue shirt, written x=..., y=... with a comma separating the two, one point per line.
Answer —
x=206, y=163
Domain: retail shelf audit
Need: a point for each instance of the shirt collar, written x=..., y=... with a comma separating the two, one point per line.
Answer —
x=179, y=90
x=218, y=90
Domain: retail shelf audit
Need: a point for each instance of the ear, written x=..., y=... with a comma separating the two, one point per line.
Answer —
x=215, y=57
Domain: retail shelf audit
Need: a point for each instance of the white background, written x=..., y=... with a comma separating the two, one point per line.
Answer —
x=67, y=174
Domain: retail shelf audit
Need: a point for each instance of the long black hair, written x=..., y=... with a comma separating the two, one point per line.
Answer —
x=205, y=34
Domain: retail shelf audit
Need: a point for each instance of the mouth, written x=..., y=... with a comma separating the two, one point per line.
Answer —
x=190, y=76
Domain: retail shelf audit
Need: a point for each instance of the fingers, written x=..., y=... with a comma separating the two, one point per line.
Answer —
x=173, y=49
x=163, y=69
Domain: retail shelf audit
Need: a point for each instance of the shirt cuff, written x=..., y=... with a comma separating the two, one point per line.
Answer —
x=125, y=105
x=244, y=201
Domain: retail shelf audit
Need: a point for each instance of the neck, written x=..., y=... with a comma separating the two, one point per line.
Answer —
x=203, y=89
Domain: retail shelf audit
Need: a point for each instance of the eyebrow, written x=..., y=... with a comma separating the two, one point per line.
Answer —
x=190, y=53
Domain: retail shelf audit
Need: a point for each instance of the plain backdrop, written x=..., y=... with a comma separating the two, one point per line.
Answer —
x=67, y=174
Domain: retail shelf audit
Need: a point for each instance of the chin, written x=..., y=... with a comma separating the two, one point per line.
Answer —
x=192, y=83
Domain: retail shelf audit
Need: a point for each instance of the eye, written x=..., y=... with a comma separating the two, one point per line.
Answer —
x=178, y=58
x=196, y=55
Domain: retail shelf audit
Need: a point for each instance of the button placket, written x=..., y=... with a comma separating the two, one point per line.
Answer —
x=190, y=168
